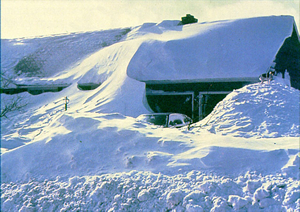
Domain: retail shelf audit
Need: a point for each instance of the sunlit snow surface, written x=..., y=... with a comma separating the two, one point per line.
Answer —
x=228, y=49
x=96, y=157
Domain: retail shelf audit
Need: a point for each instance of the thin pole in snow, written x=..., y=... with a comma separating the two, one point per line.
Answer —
x=66, y=103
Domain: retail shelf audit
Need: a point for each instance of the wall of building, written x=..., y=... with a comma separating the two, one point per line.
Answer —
x=288, y=58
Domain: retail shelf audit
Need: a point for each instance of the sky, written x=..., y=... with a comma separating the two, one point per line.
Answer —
x=27, y=18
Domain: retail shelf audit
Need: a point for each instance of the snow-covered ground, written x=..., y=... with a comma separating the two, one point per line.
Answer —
x=95, y=156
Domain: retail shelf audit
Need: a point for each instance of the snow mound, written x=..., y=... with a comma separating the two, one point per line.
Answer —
x=73, y=144
x=145, y=191
x=69, y=144
x=256, y=110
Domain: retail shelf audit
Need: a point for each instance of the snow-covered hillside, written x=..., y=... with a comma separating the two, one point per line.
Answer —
x=58, y=52
x=96, y=156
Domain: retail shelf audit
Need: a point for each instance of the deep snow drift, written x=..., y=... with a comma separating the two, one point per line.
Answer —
x=83, y=161
x=257, y=110
x=96, y=157
x=93, y=143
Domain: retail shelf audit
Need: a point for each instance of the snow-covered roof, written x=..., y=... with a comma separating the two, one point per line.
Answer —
x=216, y=51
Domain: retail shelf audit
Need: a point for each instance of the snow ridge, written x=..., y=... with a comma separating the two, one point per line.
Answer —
x=259, y=110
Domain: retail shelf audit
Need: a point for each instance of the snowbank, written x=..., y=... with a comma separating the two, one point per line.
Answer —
x=145, y=191
x=68, y=144
x=256, y=110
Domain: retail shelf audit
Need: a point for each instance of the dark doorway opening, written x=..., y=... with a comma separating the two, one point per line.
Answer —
x=172, y=102
x=194, y=99
x=208, y=101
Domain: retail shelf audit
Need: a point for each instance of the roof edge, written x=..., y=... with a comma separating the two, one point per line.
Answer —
x=242, y=79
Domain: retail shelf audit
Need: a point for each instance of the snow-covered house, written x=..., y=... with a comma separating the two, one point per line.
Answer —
x=191, y=70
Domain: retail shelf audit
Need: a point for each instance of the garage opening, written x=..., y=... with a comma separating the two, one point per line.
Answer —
x=162, y=102
x=194, y=99
x=208, y=100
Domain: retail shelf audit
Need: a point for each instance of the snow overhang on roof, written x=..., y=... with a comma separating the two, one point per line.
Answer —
x=216, y=51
